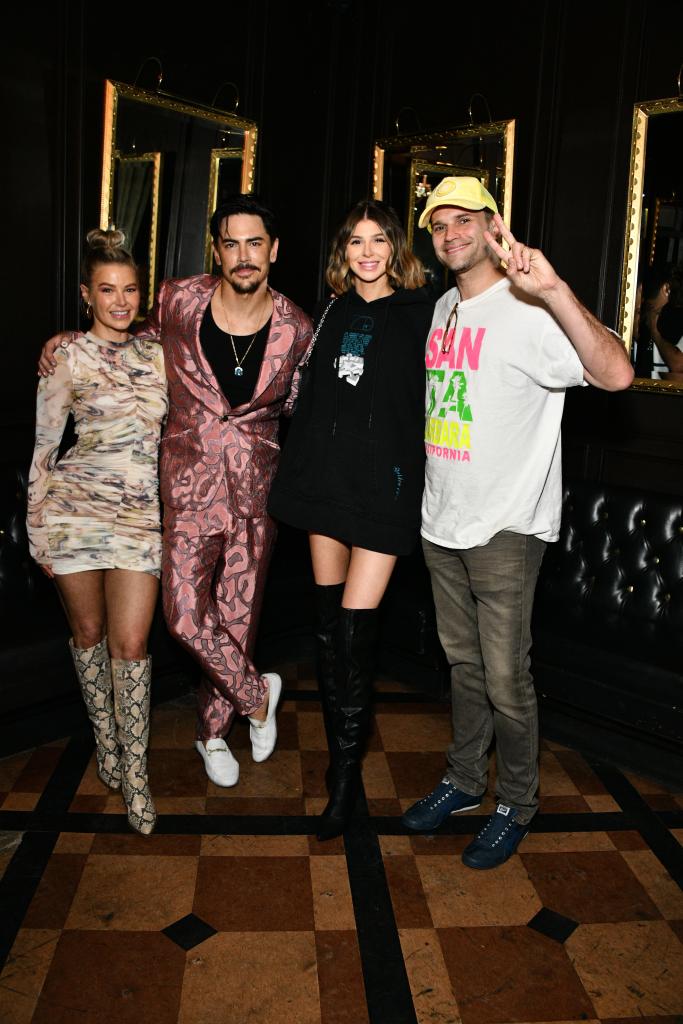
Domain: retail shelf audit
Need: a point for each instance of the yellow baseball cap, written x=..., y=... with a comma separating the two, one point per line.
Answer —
x=466, y=192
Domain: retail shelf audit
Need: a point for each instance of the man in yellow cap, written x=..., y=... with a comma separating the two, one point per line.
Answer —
x=504, y=345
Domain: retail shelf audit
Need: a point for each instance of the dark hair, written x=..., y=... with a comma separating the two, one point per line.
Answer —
x=104, y=247
x=654, y=278
x=242, y=203
x=404, y=270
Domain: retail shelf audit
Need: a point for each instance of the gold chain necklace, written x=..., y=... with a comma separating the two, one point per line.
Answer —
x=238, y=371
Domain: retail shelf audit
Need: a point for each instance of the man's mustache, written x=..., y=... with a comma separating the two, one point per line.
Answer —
x=243, y=266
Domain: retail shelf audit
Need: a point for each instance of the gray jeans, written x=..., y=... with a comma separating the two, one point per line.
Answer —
x=483, y=598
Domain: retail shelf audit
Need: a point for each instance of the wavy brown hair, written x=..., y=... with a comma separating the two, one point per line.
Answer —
x=404, y=270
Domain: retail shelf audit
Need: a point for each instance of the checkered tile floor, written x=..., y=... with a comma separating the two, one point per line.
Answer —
x=232, y=911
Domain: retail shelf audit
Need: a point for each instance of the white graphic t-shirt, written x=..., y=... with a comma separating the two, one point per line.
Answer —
x=493, y=413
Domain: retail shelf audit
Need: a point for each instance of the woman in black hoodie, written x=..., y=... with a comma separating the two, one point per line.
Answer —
x=352, y=469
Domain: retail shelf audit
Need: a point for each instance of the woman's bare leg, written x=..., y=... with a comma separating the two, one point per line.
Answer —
x=330, y=559
x=367, y=578
x=130, y=601
x=82, y=597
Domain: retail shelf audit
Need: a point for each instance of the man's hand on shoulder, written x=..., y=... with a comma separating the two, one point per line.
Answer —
x=47, y=361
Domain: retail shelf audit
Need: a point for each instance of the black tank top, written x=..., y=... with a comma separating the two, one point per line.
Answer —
x=237, y=388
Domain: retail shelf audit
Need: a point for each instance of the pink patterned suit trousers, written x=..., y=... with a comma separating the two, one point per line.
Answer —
x=214, y=570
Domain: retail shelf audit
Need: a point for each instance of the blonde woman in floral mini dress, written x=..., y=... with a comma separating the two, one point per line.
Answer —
x=93, y=515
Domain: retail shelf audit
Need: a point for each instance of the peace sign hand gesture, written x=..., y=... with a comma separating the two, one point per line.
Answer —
x=527, y=268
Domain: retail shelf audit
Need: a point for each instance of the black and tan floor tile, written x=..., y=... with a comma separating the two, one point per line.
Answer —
x=340, y=978
x=426, y=731
x=628, y=840
x=589, y=886
x=277, y=807
x=332, y=903
x=131, y=977
x=456, y=895
x=512, y=974
x=132, y=892
x=258, y=893
x=580, y=772
x=408, y=897
x=566, y=842
x=584, y=923
x=310, y=728
x=551, y=804
x=184, y=805
x=54, y=897
x=19, y=801
x=630, y=968
x=378, y=781
x=656, y=881
x=11, y=768
x=601, y=803
x=254, y=846
x=430, y=984
x=254, y=976
x=415, y=773
x=23, y=978
x=557, y=781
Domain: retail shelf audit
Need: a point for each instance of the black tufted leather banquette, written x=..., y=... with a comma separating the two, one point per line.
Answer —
x=608, y=617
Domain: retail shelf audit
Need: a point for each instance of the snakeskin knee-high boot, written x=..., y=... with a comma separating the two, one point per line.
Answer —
x=94, y=678
x=132, y=685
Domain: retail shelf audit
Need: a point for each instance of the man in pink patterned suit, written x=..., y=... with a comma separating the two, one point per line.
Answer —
x=232, y=348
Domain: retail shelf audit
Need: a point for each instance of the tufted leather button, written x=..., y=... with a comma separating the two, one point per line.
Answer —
x=643, y=522
x=605, y=515
x=667, y=597
x=630, y=588
x=224, y=419
x=616, y=551
x=656, y=559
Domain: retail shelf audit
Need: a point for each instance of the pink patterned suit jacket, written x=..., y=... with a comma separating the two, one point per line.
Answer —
x=206, y=441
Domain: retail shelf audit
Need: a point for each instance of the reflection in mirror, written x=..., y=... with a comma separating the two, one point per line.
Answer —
x=651, y=307
x=165, y=161
x=224, y=180
x=408, y=167
x=136, y=213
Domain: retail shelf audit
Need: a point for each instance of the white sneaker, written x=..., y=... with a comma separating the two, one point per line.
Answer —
x=221, y=766
x=263, y=735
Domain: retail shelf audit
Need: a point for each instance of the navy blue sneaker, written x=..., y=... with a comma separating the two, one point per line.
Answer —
x=497, y=841
x=433, y=809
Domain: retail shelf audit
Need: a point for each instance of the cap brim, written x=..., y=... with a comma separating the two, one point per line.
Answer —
x=464, y=204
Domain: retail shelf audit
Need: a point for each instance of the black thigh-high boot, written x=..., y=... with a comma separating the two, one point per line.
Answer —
x=327, y=607
x=354, y=669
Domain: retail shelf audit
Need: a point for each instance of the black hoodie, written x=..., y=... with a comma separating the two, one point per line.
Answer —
x=353, y=462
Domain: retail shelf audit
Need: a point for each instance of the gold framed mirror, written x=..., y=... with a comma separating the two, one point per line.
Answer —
x=653, y=249
x=135, y=211
x=407, y=167
x=165, y=164
x=224, y=178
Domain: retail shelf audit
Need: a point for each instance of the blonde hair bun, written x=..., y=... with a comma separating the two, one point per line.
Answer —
x=109, y=239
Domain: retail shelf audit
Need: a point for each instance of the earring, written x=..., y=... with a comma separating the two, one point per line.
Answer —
x=88, y=311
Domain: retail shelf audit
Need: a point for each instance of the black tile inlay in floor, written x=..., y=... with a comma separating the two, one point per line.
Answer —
x=189, y=931
x=553, y=925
